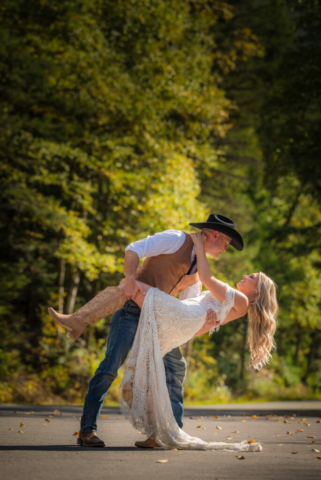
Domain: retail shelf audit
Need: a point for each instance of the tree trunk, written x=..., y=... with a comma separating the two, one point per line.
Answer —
x=73, y=292
x=61, y=281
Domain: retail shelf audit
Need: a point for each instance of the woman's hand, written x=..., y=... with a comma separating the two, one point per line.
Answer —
x=198, y=239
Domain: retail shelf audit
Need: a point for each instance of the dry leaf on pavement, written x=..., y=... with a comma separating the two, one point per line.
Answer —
x=10, y=428
x=104, y=416
x=244, y=421
x=294, y=453
x=76, y=434
x=318, y=457
x=289, y=433
x=218, y=428
x=314, y=441
x=301, y=430
x=318, y=421
x=22, y=425
x=254, y=416
x=313, y=449
x=251, y=441
x=162, y=461
x=47, y=420
x=240, y=457
x=215, y=416
x=20, y=431
x=236, y=431
x=311, y=436
x=280, y=444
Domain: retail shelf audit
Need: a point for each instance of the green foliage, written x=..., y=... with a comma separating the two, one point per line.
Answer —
x=120, y=119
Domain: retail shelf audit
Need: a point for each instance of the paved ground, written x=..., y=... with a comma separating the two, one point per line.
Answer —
x=48, y=450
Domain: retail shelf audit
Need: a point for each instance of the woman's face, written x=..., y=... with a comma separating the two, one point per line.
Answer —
x=248, y=285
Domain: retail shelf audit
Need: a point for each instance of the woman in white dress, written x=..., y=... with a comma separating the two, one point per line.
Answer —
x=166, y=323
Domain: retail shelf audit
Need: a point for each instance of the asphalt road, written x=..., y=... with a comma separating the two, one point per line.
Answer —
x=48, y=450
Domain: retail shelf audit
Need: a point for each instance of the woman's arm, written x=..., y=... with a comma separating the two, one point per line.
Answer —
x=216, y=287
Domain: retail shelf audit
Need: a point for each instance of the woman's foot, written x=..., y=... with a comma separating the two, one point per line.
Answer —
x=75, y=322
x=62, y=320
x=149, y=443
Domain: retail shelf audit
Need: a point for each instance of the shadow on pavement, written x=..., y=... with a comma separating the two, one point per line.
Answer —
x=65, y=448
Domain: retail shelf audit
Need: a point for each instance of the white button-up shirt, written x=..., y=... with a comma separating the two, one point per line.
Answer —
x=167, y=242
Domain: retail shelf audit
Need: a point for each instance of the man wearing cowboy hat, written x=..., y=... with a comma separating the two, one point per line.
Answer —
x=170, y=265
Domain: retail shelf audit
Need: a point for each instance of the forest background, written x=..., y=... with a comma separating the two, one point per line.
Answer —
x=123, y=118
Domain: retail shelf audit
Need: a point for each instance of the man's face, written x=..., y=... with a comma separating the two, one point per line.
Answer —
x=215, y=243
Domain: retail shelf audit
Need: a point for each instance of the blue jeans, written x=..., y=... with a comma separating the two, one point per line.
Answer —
x=120, y=339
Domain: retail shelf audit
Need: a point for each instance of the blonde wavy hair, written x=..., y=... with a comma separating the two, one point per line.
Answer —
x=262, y=322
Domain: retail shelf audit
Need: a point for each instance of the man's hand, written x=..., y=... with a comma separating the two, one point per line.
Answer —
x=211, y=319
x=130, y=288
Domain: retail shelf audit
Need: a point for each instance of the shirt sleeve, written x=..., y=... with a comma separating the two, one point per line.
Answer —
x=165, y=242
x=192, y=291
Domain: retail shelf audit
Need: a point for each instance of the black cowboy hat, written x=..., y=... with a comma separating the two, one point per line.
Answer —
x=224, y=225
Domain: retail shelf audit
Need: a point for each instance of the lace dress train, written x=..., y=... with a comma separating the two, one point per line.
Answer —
x=165, y=323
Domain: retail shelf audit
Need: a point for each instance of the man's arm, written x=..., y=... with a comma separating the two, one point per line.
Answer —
x=131, y=287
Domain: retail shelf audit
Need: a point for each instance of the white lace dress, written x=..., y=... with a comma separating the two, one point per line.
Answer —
x=165, y=323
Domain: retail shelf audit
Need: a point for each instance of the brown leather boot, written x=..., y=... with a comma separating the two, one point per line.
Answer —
x=106, y=302
x=149, y=443
x=89, y=439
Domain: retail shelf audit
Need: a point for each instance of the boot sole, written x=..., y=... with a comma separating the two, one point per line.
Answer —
x=82, y=444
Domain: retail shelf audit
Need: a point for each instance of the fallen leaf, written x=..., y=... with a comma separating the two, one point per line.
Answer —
x=47, y=420
x=244, y=421
x=51, y=415
x=304, y=419
x=29, y=413
x=309, y=436
x=199, y=426
x=20, y=431
x=313, y=449
x=318, y=421
x=307, y=424
x=285, y=421
x=318, y=457
x=104, y=416
x=22, y=425
x=254, y=416
x=301, y=430
x=289, y=433
x=204, y=428
x=236, y=431
x=162, y=461
x=10, y=428
x=278, y=420
x=240, y=457
x=280, y=444
x=314, y=441
x=174, y=449
x=229, y=438
x=119, y=418
x=251, y=441
x=76, y=434
x=215, y=416
x=299, y=422
x=218, y=428
x=294, y=453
